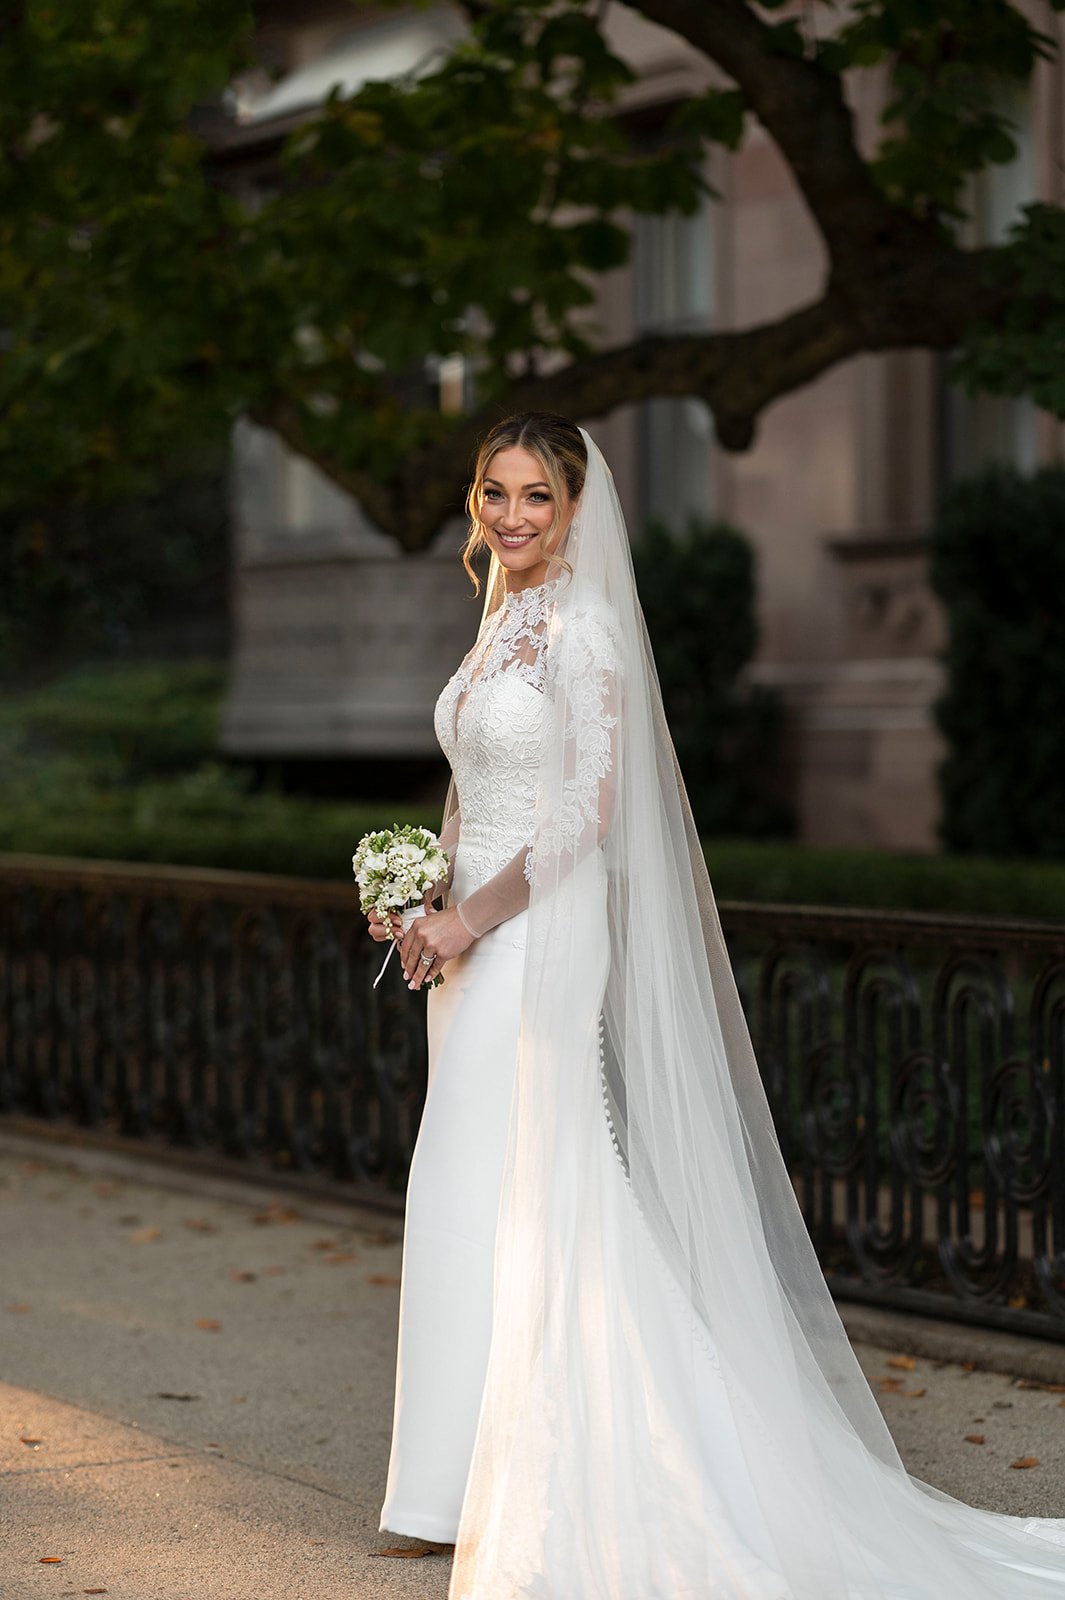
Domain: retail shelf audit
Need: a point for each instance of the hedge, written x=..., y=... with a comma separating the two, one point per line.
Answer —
x=197, y=823
x=107, y=763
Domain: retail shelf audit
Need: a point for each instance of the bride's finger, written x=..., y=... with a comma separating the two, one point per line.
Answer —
x=411, y=955
x=421, y=967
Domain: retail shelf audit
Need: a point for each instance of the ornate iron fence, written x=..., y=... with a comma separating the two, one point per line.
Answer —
x=914, y=1064
x=208, y=1009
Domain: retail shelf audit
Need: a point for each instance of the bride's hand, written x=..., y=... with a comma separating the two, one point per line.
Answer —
x=378, y=926
x=439, y=934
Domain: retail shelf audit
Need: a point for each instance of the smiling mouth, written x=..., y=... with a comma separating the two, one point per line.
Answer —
x=514, y=541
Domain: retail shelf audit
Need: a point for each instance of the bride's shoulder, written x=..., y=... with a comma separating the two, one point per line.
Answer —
x=590, y=631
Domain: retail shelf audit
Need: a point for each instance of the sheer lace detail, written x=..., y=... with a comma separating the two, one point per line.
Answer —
x=512, y=642
x=489, y=721
x=587, y=665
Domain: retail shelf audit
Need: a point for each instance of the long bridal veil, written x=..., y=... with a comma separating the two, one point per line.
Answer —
x=672, y=1410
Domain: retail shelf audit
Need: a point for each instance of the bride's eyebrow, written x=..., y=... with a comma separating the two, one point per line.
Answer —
x=524, y=486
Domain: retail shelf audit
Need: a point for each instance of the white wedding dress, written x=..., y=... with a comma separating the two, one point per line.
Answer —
x=445, y=1313
x=653, y=1439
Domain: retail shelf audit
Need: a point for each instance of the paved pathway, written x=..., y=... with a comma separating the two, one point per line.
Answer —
x=196, y=1391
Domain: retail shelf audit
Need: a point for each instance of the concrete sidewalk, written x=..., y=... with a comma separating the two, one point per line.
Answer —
x=196, y=1390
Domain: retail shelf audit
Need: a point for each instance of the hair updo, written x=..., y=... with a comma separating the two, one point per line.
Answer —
x=556, y=443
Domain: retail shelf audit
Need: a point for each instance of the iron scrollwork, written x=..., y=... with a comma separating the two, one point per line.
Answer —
x=914, y=1065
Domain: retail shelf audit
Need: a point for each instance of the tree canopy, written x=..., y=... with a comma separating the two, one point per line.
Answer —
x=465, y=210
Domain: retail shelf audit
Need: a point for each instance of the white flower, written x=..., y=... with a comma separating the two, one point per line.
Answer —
x=394, y=866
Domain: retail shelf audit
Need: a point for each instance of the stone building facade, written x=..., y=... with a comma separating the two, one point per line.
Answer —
x=836, y=493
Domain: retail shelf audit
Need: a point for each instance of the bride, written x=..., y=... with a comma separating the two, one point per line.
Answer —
x=620, y=1374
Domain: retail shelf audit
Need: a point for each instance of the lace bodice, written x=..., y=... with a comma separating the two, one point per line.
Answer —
x=537, y=677
x=489, y=720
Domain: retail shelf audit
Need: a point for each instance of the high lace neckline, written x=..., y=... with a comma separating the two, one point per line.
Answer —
x=533, y=594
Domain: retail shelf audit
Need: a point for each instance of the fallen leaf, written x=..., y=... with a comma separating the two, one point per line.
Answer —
x=145, y=1235
x=242, y=1277
x=50, y=1561
x=324, y=1244
x=405, y=1552
x=200, y=1225
x=168, y=1394
x=974, y=1438
x=1025, y=1461
x=276, y=1212
x=907, y=1363
x=33, y=1442
x=208, y=1324
x=94, y=1591
x=381, y=1277
x=914, y=1394
x=968, y=1366
x=1047, y=1388
x=339, y=1255
x=20, y=1307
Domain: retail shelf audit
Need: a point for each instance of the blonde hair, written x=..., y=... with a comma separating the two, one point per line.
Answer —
x=557, y=444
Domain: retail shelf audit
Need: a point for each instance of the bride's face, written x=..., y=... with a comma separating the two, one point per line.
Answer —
x=517, y=511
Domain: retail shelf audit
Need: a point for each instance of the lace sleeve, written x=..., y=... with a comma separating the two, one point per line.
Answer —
x=584, y=682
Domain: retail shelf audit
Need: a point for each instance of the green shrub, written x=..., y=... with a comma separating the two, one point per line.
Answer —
x=206, y=818
x=777, y=871
x=998, y=562
x=129, y=719
x=698, y=596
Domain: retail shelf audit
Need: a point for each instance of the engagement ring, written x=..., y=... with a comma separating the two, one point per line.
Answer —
x=426, y=961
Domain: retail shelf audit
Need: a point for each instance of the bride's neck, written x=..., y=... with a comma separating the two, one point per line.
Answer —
x=533, y=578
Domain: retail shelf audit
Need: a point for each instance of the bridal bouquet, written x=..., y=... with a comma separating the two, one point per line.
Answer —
x=393, y=868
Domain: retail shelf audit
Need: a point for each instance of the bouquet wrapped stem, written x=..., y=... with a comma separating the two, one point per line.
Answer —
x=407, y=917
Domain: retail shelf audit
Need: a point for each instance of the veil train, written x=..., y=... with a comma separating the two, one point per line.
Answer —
x=672, y=1408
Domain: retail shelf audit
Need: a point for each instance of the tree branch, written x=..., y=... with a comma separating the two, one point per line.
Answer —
x=893, y=282
x=902, y=303
x=802, y=107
